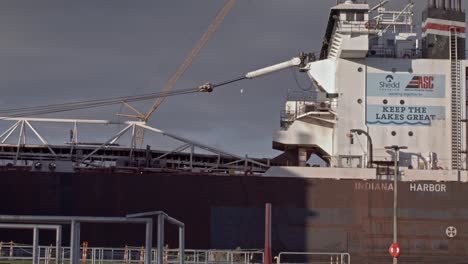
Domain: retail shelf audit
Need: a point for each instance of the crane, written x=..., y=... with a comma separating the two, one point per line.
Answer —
x=181, y=70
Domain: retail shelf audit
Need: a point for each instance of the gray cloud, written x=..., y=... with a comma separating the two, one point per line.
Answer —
x=61, y=51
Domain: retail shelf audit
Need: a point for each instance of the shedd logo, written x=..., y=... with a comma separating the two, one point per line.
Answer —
x=389, y=83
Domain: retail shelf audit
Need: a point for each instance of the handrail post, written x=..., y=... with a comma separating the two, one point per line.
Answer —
x=36, y=252
x=160, y=239
x=149, y=241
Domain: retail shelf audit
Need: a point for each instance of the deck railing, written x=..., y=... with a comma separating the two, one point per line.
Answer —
x=17, y=253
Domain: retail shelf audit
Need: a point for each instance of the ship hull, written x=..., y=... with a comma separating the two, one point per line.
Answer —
x=226, y=212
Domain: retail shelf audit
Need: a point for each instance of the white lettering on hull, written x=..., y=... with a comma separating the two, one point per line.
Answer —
x=388, y=187
x=428, y=187
x=373, y=186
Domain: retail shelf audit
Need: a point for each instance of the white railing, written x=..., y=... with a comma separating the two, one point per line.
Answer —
x=103, y=255
x=309, y=257
x=356, y=26
x=131, y=255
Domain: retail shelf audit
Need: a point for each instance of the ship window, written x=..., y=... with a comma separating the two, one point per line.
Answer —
x=385, y=101
x=402, y=102
x=360, y=16
x=393, y=133
x=349, y=16
x=410, y=133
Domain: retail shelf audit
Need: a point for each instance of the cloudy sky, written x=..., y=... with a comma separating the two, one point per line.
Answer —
x=55, y=51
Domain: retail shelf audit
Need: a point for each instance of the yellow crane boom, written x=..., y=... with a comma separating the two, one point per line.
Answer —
x=194, y=52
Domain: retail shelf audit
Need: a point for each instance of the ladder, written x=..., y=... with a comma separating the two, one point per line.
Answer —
x=456, y=107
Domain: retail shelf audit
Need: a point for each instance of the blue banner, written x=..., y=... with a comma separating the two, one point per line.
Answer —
x=403, y=115
x=406, y=85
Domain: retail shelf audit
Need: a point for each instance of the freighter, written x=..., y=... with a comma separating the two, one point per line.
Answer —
x=387, y=103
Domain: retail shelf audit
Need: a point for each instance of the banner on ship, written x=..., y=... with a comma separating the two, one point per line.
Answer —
x=406, y=85
x=406, y=115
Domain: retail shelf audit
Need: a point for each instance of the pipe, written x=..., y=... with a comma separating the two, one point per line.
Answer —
x=459, y=8
x=449, y=2
x=280, y=66
x=36, y=252
x=160, y=239
x=69, y=219
x=267, y=249
x=433, y=4
x=149, y=241
x=182, y=245
x=370, y=146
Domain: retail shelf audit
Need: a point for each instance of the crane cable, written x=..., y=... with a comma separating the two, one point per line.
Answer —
x=63, y=107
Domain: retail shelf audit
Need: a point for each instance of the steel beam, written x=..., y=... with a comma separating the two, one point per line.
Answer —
x=63, y=120
x=9, y=131
x=18, y=146
x=110, y=141
x=199, y=145
x=36, y=228
x=160, y=239
x=162, y=216
x=35, y=256
x=149, y=241
x=69, y=219
x=75, y=222
x=182, y=244
x=75, y=242
x=41, y=138
x=58, y=245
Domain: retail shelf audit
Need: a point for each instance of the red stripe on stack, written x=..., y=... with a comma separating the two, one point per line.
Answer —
x=442, y=27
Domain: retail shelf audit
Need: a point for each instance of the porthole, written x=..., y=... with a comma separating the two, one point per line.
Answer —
x=385, y=101
x=393, y=133
x=410, y=133
x=359, y=69
x=359, y=101
x=402, y=102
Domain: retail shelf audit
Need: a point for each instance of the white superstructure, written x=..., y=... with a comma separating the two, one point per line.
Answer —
x=374, y=76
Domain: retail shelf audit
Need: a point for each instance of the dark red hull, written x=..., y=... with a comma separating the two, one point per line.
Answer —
x=321, y=215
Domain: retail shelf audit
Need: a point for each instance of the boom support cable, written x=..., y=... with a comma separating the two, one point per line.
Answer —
x=78, y=105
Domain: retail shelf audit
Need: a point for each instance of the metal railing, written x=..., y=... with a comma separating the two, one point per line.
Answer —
x=386, y=52
x=355, y=26
x=104, y=255
x=316, y=258
x=303, y=107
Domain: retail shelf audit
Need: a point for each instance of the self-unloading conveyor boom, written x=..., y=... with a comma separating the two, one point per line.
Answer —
x=299, y=62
